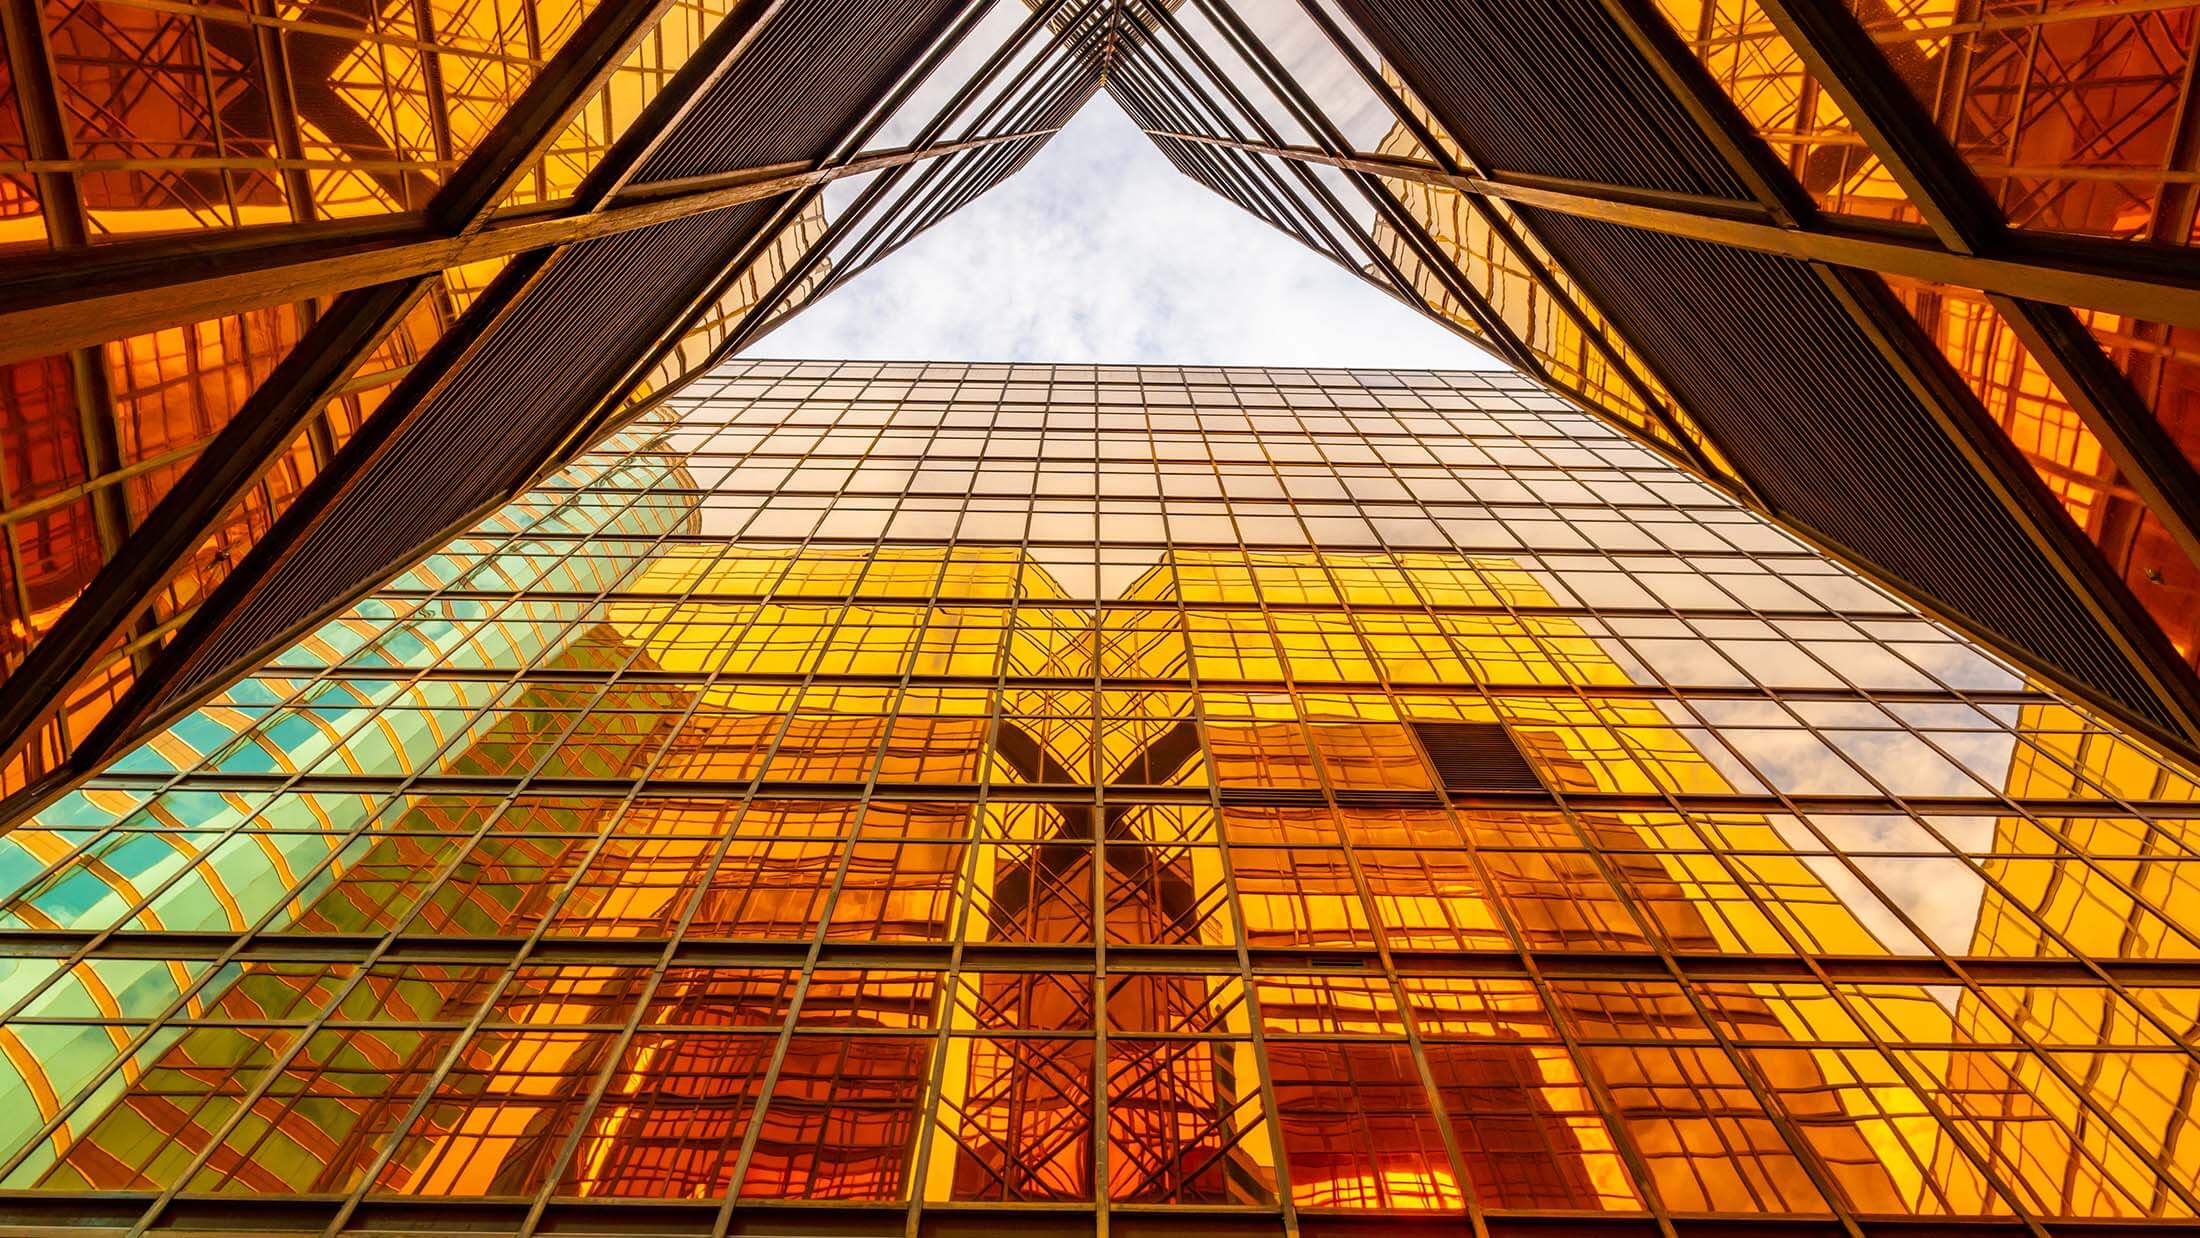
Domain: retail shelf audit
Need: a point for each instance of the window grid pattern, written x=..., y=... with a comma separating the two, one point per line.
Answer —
x=919, y=790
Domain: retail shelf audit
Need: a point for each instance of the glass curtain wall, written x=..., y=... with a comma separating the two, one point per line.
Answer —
x=944, y=794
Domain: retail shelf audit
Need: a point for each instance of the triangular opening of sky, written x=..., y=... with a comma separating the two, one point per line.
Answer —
x=1100, y=251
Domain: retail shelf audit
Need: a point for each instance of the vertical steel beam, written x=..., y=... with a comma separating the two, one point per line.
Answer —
x=282, y=107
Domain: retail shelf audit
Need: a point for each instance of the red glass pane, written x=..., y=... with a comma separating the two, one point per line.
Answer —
x=842, y=1120
x=1358, y=1132
x=671, y=1121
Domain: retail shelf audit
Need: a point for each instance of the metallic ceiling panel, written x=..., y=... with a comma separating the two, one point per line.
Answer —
x=553, y=357
x=1818, y=403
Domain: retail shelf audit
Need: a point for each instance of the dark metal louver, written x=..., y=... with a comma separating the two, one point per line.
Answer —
x=1274, y=797
x=1476, y=756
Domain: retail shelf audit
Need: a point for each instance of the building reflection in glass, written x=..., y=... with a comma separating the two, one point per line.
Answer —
x=865, y=790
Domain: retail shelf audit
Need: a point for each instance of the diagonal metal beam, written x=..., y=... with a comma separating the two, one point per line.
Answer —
x=1510, y=232
x=759, y=316
x=1154, y=87
x=251, y=278
x=1850, y=66
x=952, y=187
x=151, y=697
x=944, y=188
x=1839, y=257
x=580, y=68
x=238, y=456
x=245, y=448
x=1965, y=221
x=1743, y=225
x=46, y=136
x=1993, y=457
x=1404, y=220
x=1499, y=333
x=506, y=295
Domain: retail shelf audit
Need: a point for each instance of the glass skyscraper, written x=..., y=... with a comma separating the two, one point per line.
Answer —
x=291, y=290
x=942, y=798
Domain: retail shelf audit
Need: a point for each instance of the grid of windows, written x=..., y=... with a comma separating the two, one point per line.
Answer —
x=918, y=791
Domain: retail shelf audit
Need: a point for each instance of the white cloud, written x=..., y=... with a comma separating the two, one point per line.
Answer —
x=1100, y=251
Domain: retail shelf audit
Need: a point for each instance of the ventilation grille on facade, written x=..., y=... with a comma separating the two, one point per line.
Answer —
x=1476, y=756
x=1274, y=797
x=1388, y=799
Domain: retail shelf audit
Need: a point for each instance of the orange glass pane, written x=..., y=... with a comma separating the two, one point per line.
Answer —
x=717, y=744
x=239, y=528
x=55, y=553
x=1761, y=72
x=898, y=892
x=96, y=691
x=1299, y=897
x=1527, y=1128
x=52, y=547
x=1272, y=754
x=372, y=379
x=179, y=101
x=842, y=1120
x=2070, y=112
x=1184, y=1124
x=1976, y=339
x=2168, y=584
x=1709, y=1144
x=1358, y=1131
x=768, y=889
x=191, y=118
x=589, y=135
x=671, y=1120
x=40, y=452
x=22, y=216
x=1023, y=1126
x=1164, y=895
x=2054, y=439
x=1368, y=756
x=500, y=1115
x=174, y=388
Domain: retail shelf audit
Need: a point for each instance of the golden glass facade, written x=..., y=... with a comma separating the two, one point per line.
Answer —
x=873, y=798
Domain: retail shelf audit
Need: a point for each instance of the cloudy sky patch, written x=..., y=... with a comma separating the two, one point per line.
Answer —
x=1100, y=251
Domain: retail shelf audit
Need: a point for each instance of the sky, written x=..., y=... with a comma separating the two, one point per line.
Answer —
x=1100, y=251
